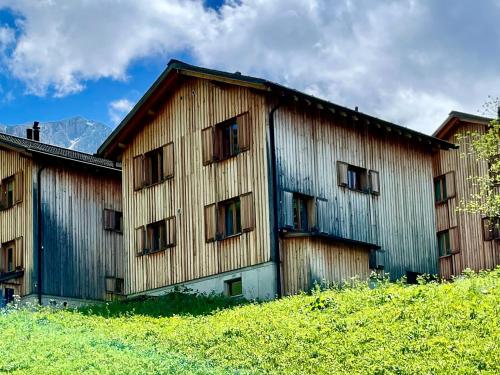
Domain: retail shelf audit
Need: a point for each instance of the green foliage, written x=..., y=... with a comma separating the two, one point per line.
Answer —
x=390, y=328
x=485, y=148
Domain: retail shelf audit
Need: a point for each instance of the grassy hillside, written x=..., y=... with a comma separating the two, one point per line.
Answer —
x=451, y=328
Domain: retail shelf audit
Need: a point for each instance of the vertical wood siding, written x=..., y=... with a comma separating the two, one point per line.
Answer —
x=195, y=105
x=401, y=219
x=78, y=253
x=307, y=261
x=473, y=252
x=17, y=221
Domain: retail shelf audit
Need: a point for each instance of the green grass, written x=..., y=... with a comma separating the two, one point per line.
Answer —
x=451, y=328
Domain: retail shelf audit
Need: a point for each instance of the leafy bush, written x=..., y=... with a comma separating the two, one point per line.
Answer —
x=393, y=328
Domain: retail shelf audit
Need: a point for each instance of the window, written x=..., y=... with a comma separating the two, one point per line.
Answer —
x=303, y=213
x=113, y=220
x=229, y=138
x=226, y=139
x=229, y=218
x=357, y=178
x=444, y=244
x=114, y=285
x=154, y=166
x=155, y=237
x=491, y=228
x=234, y=288
x=300, y=213
x=444, y=187
x=11, y=256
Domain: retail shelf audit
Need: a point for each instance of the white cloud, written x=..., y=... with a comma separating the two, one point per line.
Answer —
x=118, y=109
x=407, y=61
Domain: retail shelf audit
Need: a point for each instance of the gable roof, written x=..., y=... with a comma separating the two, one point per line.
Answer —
x=454, y=117
x=175, y=68
x=46, y=150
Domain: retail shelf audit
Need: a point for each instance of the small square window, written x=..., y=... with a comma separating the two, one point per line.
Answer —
x=156, y=233
x=7, y=193
x=234, y=287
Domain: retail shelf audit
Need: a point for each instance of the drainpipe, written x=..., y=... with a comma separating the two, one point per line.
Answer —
x=275, y=198
x=40, y=229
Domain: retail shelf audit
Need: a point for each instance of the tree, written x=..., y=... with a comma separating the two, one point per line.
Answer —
x=485, y=147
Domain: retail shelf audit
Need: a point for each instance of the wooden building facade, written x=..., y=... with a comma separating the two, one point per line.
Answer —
x=464, y=240
x=227, y=176
x=60, y=224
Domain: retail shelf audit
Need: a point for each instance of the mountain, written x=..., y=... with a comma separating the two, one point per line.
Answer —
x=76, y=133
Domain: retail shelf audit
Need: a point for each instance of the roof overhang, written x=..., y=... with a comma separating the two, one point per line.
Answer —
x=146, y=106
x=456, y=117
x=330, y=238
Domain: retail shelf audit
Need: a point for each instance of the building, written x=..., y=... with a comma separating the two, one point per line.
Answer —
x=465, y=240
x=235, y=184
x=60, y=223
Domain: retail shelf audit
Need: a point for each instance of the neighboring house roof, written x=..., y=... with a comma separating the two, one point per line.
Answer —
x=126, y=128
x=46, y=150
x=454, y=118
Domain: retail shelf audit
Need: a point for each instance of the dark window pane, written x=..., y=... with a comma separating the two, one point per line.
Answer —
x=235, y=288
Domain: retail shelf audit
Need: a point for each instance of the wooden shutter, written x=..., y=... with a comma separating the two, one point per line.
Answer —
x=110, y=284
x=171, y=231
x=138, y=166
x=450, y=184
x=168, y=160
x=247, y=210
x=287, y=207
x=374, y=182
x=109, y=219
x=140, y=240
x=322, y=217
x=244, y=131
x=454, y=240
x=19, y=254
x=210, y=222
x=221, y=222
x=2, y=196
x=207, y=145
x=18, y=187
x=342, y=173
x=365, y=184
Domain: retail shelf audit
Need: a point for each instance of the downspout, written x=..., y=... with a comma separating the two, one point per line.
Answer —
x=275, y=198
x=40, y=229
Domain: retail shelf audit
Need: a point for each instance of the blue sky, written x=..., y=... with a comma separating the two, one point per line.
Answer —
x=407, y=61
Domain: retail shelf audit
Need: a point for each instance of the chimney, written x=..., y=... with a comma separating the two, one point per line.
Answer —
x=29, y=133
x=36, y=131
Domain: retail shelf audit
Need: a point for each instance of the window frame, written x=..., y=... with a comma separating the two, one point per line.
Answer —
x=495, y=231
x=365, y=176
x=449, y=251
x=222, y=232
x=228, y=286
x=4, y=204
x=4, y=257
x=219, y=138
x=142, y=166
x=441, y=180
x=117, y=218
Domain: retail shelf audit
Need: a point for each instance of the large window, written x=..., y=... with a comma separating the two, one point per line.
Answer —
x=226, y=139
x=358, y=178
x=155, y=237
x=491, y=228
x=444, y=187
x=229, y=218
x=154, y=166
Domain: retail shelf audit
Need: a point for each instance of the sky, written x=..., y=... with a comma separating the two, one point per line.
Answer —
x=407, y=61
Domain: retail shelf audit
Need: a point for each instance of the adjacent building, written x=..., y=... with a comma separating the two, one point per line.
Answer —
x=465, y=240
x=60, y=223
x=235, y=184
